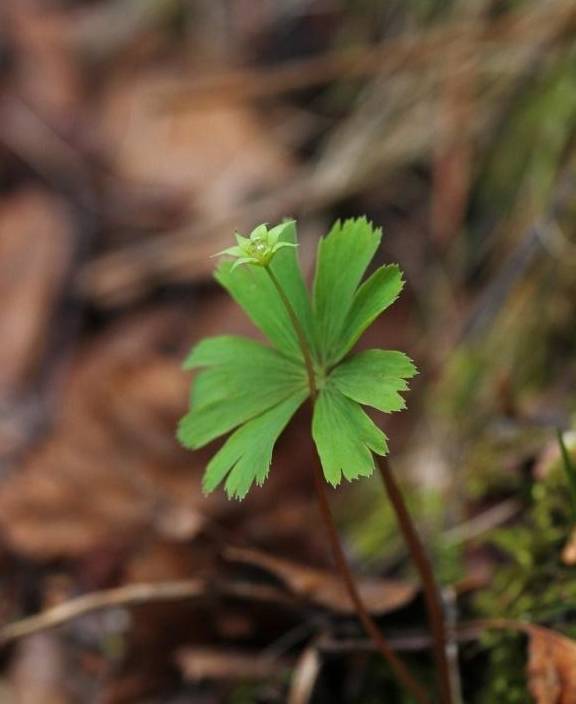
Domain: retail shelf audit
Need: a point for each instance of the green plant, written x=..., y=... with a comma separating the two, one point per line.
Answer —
x=533, y=584
x=254, y=389
x=259, y=388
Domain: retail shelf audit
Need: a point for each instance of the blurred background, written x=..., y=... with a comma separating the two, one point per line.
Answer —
x=135, y=137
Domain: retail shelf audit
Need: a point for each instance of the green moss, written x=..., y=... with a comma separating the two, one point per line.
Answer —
x=533, y=585
x=505, y=679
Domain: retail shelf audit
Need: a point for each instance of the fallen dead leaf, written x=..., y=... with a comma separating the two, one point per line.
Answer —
x=551, y=667
x=101, y=475
x=218, y=155
x=35, y=246
x=326, y=588
x=47, y=74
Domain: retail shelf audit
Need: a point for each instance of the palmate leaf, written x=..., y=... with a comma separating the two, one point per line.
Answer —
x=242, y=379
x=343, y=256
x=345, y=436
x=245, y=457
x=234, y=351
x=254, y=390
x=372, y=298
x=375, y=378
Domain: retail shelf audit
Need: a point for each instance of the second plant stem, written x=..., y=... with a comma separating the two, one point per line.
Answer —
x=430, y=588
x=368, y=623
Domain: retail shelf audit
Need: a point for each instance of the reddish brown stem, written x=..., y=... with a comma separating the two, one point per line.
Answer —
x=430, y=588
x=398, y=667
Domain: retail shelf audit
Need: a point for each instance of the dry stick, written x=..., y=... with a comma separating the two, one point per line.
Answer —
x=466, y=631
x=396, y=664
x=132, y=595
x=87, y=603
x=139, y=594
x=431, y=592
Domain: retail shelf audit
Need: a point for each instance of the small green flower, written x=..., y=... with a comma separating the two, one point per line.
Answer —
x=261, y=245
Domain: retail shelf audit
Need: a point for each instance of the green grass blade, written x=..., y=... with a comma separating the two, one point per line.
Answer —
x=569, y=469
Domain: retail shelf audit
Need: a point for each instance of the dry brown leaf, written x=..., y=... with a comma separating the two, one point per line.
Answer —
x=47, y=71
x=326, y=588
x=551, y=667
x=218, y=155
x=35, y=246
x=112, y=458
x=213, y=162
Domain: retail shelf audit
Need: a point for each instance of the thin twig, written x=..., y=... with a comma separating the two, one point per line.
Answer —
x=138, y=594
x=430, y=588
x=416, y=641
x=133, y=595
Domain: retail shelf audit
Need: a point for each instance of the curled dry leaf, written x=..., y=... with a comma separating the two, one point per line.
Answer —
x=325, y=588
x=551, y=667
